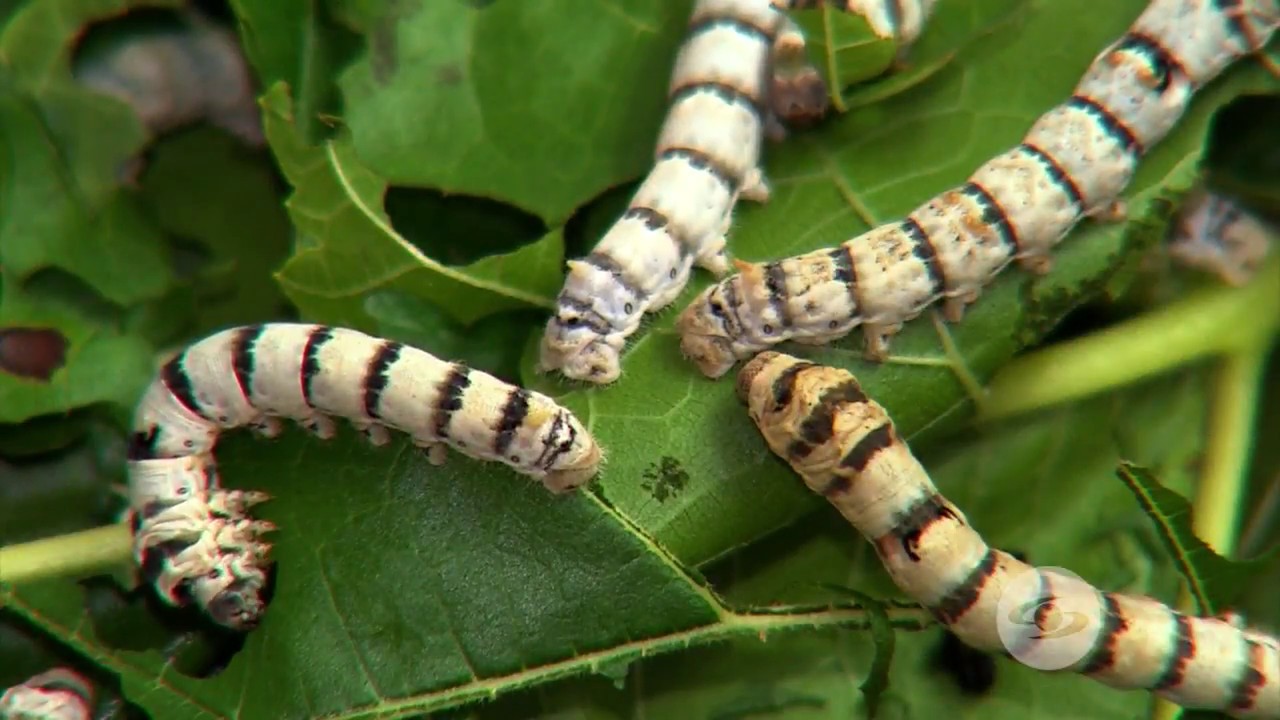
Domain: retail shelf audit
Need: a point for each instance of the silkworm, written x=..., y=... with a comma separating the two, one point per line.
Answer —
x=797, y=93
x=176, y=77
x=195, y=541
x=1215, y=234
x=844, y=445
x=900, y=20
x=708, y=155
x=1073, y=163
x=58, y=694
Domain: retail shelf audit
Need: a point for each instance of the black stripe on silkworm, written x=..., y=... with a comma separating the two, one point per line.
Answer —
x=587, y=315
x=730, y=22
x=992, y=214
x=449, y=400
x=1163, y=61
x=375, y=376
x=653, y=220
x=514, y=412
x=1184, y=650
x=142, y=445
x=242, y=358
x=775, y=282
x=725, y=92
x=604, y=263
x=731, y=304
x=703, y=162
x=842, y=261
x=838, y=485
x=963, y=597
x=916, y=519
x=1112, y=124
x=866, y=449
x=311, y=360
x=551, y=450
x=819, y=426
x=1102, y=656
x=784, y=385
x=1244, y=693
x=178, y=383
x=922, y=248
x=1057, y=173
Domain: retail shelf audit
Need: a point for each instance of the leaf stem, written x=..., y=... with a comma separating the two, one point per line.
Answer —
x=1210, y=322
x=69, y=555
x=1220, y=491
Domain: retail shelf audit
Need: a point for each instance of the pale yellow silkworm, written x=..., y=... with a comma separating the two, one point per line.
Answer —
x=844, y=445
x=1073, y=163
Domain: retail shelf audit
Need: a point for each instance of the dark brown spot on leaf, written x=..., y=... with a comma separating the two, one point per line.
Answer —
x=33, y=353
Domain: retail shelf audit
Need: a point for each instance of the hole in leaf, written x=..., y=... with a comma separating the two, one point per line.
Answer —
x=458, y=229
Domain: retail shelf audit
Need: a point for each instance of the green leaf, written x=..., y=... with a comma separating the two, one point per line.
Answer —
x=62, y=147
x=407, y=588
x=865, y=168
x=102, y=364
x=349, y=247
x=49, y=222
x=194, y=178
x=490, y=344
x=1041, y=485
x=541, y=105
x=954, y=33
x=1235, y=164
x=843, y=47
x=848, y=53
x=1215, y=582
x=61, y=490
x=296, y=42
x=883, y=639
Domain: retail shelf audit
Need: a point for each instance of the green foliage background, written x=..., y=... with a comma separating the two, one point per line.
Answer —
x=430, y=164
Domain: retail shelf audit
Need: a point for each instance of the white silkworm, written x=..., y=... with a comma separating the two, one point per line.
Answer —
x=194, y=540
x=58, y=694
x=708, y=154
x=1215, y=234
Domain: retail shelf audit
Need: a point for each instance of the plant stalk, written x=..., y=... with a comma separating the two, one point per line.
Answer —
x=1210, y=322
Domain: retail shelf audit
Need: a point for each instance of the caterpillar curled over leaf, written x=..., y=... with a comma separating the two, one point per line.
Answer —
x=708, y=155
x=1215, y=234
x=844, y=446
x=1073, y=163
x=58, y=694
x=195, y=541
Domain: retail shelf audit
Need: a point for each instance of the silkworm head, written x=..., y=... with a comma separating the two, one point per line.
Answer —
x=580, y=356
x=703, y=339
x=239, y=606
x=573, y=455
x=749, y=372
